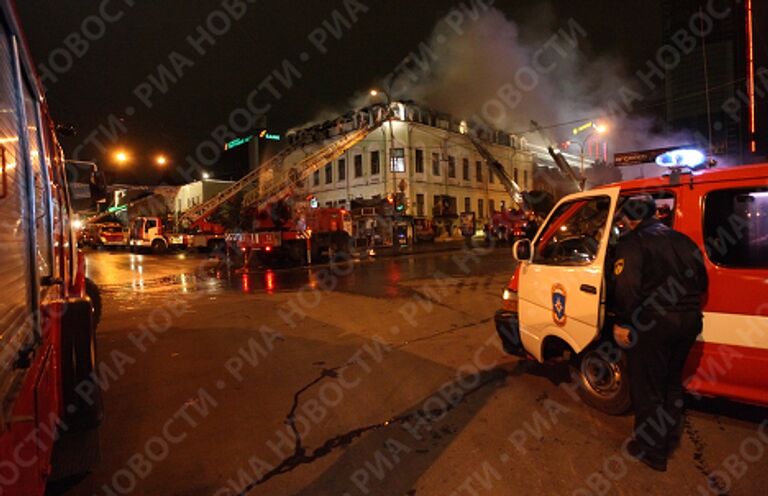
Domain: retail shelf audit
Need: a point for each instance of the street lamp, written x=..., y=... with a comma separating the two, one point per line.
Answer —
x=595, y=129
x=206, y=175
x=374, y=93
x=121, y=157
x=161, y=160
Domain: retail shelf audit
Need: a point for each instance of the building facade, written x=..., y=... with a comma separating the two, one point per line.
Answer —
x=427, y=157
x=195, y=193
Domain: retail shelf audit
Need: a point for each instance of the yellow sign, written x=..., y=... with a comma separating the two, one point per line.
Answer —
x=583, y=127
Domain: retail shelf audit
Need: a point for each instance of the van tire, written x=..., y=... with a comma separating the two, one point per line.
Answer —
x=603, y=379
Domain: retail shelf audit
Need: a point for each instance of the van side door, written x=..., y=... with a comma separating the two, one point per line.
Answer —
x=561, y=289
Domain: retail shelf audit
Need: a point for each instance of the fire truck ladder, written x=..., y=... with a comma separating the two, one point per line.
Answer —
x=498, y=169
x=285, y=183
x=303, y=169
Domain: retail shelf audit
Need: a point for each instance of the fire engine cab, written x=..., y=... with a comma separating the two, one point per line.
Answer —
x=555, y=305
x=47, y=320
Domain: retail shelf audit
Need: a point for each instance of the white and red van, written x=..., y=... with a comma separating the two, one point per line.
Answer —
x=555, y=304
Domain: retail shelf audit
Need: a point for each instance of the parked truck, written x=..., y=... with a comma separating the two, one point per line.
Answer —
x=48, y=309
x=159, y=234
x=294, y=234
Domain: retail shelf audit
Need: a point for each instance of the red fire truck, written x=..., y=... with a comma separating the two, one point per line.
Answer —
x=284, y=232
x=47, y=320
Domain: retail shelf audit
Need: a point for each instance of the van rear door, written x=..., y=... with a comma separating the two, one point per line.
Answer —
x=562, y=288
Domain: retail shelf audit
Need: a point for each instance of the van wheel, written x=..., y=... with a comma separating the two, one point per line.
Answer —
x=159, y=247
x=602, y=378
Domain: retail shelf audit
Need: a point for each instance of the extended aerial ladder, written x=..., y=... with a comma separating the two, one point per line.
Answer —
x=284, y=183
x=514, y=190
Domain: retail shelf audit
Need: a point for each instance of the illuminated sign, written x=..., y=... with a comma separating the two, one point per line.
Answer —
x=642, y=157
x=241, y=141
x=269, y=136
x=583, y=127
x=237, y=142
x=682, y=157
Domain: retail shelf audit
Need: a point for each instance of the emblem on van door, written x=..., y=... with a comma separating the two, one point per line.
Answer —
x=559, y=297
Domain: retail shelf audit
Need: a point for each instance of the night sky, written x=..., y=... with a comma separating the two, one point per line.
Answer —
x=101, y=83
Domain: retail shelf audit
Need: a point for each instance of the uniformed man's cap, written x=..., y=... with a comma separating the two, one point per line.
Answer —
x=639, y=207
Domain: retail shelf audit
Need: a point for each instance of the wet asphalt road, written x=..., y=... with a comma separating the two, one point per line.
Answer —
x=378, y=377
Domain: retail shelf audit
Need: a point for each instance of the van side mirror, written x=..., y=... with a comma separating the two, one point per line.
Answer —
x=523, y=250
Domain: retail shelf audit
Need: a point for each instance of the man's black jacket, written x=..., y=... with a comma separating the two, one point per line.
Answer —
x=656, y=269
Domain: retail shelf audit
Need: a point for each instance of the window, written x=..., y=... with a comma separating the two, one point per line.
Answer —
x=375, y=163
x=419, y=204
x=316, y=178
x=342, y=169
x=43, y=226
x=480, y=208
x=398, y=159
x=491, y=207
x=16, y=326
x=491, y=177
x=525, y=179
x=328, y=173
x=451, y=166
x=572, y=235
x=736, y=227
x=479, y=171
x=467, y=204
x=465, y=169
x=436, y=164
x=419, y=161
x=150, y=224
x=516, y=177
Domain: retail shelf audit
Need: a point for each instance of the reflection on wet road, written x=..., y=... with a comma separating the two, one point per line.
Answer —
x=126, y=274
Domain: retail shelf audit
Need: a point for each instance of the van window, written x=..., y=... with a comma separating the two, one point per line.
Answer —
x=572, y=235
x=736, y=227
x=665, y=204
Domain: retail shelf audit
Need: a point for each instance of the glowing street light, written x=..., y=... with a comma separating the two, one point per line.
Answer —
x=161, y=160
x=121, y=157
x=206, y=175
x=596, y=128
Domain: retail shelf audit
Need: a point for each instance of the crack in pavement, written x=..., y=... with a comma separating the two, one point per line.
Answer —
x=290, y=419
x=441, y=333
x=300, y=456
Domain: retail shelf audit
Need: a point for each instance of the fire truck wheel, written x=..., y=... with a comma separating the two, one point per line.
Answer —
x=159, y=247
x=92, y=290
x=602, y=379
x=81, y=397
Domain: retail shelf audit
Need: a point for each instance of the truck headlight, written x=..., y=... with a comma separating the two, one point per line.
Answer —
x=507, y=294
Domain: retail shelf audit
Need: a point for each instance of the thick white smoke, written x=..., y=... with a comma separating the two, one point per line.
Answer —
x=478, y=66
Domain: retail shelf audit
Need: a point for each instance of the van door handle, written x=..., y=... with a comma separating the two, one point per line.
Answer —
x=588, y=289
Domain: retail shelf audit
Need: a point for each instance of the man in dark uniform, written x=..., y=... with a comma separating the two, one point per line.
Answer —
x=660, y=283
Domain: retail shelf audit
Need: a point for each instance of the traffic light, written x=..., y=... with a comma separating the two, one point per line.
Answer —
x=400, y=203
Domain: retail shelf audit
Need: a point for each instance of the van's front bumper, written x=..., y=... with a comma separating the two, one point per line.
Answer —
x=508, y=329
